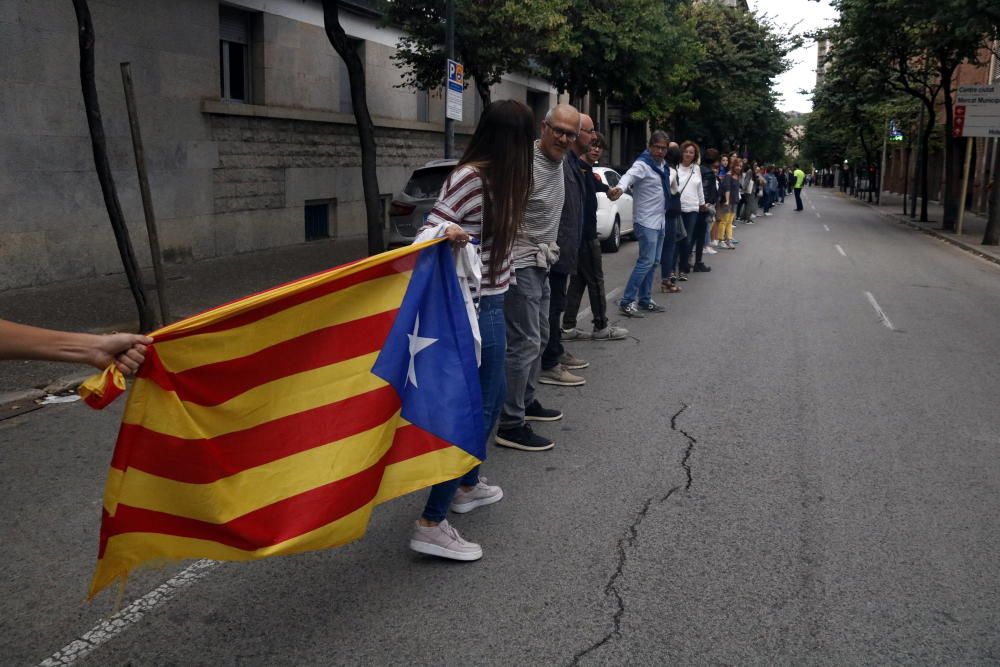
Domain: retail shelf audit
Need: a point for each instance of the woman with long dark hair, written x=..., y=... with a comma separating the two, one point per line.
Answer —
x=482, y=200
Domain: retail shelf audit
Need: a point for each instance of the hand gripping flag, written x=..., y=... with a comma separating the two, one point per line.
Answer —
x=274, y=424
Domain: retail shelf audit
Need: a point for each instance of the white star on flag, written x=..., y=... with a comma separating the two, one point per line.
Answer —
x=417, y=345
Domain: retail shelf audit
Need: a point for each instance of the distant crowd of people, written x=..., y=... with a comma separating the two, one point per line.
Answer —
x=531, y=207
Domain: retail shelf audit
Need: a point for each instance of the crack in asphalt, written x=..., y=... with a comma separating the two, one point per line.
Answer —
x=629, y=539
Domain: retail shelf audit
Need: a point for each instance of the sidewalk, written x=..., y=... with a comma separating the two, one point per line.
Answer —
x=104, y=304
x=973, y=227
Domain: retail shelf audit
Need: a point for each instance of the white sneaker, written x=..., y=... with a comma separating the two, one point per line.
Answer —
x=481, y=494
x=709, y=250
x=769, y=214
x=444, y=541
x=715, y=244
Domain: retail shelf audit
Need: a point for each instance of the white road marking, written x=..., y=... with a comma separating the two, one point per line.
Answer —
x=879, y=311
x=818, y=215
x=612, y=295
x=111, y=627
x=840, y=250
x=826, y=228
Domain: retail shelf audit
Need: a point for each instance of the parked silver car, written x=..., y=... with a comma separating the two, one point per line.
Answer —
x=614, y=218
x=409, y=208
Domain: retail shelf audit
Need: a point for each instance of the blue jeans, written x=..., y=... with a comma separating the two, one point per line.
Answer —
x=493, y=383
x=640, y=283
x=668, y=253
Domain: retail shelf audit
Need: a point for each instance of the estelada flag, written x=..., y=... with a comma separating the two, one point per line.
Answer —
x=274, y=424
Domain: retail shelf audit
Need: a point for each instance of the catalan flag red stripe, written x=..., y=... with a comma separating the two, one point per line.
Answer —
x=216, y=383
x=206, y=460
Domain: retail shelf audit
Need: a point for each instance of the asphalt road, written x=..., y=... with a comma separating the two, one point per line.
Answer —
x=770, y=473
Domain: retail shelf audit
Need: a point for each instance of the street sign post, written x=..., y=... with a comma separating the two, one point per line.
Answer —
x=977, y=114
x=456, y=85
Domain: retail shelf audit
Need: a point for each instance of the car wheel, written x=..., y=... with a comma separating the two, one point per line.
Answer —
x=614, y=240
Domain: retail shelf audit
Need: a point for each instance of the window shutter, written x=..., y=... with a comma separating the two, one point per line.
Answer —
x=234, y=26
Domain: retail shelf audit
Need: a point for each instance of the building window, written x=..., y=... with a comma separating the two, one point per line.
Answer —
x=423, y=106
x=319, y=214
x=234, y=54
x=346, y=104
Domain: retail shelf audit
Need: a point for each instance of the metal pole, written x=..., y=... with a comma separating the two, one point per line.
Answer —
x=917, y=164
x=881, y=167
x=147, y=199
x=965, y=185
x=449, y=124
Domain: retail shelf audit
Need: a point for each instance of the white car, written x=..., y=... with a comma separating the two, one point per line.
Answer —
x=614, y=218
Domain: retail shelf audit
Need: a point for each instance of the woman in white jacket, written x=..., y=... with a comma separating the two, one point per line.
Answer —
x=692, y=197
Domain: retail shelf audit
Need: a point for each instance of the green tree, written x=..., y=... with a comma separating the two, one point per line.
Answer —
x=915, y=47
x=742, y=54
x=638, y=52
x=492, y=38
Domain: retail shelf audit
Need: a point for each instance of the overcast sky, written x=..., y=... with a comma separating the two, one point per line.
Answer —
x=805, y=15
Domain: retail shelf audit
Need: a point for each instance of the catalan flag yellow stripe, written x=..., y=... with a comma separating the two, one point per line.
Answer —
x=351, y=303
x=162, y=411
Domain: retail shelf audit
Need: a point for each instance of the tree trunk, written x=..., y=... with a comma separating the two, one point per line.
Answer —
x=992, y=235
x=925, y=147
x=908, y=154
x=484, y=94
x=103, y=166
x=952, y=157
x=366, y=129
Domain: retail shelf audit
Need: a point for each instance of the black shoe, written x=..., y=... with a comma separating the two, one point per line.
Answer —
x=700, y=267
x=652, y=307
x=523, y=438
x=536, y=413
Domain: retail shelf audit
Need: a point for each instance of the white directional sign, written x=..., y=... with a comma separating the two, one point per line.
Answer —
x=977, y=112
x=456, y=85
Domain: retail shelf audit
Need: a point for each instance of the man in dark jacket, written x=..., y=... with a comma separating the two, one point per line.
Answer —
x=589, y=274
x=556, y=361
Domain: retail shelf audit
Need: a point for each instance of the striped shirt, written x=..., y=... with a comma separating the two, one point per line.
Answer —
x=541, y=216
x=461, y=202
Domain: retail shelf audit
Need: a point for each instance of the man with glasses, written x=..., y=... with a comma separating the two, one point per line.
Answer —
x=557, y=362
x=650, y=178
x=526, y=304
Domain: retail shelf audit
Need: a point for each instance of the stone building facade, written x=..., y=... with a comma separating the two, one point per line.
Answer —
x=246, y=119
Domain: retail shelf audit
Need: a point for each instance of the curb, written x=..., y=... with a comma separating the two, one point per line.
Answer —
x=958, y=243
x=60, y=385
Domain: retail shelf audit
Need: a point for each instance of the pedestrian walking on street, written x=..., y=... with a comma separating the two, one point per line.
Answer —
x=799, y=177
x=482, y=200
x=649, y=177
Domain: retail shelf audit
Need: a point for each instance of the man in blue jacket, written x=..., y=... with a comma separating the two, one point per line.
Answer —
x=649, y=177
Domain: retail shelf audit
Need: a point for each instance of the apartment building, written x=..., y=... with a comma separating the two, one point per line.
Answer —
x=246, y=119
